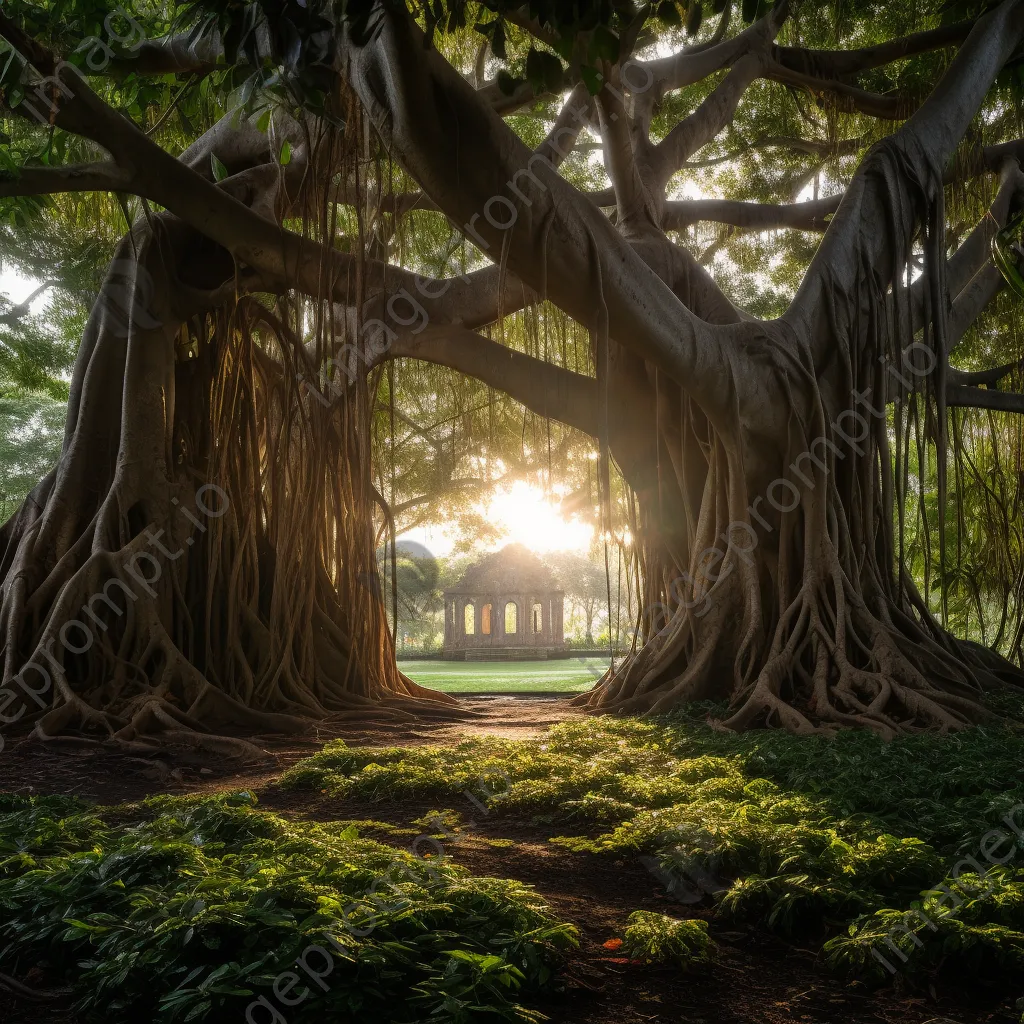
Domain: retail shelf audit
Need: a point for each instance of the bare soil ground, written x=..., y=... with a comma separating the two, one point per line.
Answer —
x=756, y=979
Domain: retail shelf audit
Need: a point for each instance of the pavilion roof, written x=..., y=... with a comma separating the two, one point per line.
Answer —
x=513, y=569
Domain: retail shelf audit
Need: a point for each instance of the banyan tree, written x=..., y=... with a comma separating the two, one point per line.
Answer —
x=786, y=237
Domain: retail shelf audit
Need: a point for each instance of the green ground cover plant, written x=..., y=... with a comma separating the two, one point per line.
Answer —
x=188, y=908
x=657, y=938
x=837, y=838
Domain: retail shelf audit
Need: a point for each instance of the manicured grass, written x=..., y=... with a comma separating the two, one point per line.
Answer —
x=571, y=675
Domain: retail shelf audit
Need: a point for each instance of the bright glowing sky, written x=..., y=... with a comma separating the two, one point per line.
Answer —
x=524, y=514
x=17, y=288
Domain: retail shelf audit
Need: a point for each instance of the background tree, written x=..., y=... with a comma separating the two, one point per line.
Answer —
x=586, y=589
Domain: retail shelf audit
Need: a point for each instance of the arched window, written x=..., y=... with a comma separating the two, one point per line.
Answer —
x=468, y=619
x=485, y=619
x=511, y=618
x=538, y=617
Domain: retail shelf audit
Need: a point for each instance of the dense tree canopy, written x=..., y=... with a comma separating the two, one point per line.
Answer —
x=761, y=263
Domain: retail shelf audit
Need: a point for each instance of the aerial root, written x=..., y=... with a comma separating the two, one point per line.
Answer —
x=890, y=696
x=832, y=663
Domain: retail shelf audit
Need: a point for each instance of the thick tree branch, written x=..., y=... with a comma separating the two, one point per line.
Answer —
x=174, y=55
x=538, y=224
x=973, y=253
x=33, y=51
x=851, y=98
x=972, y=300
x=809, y=216
x=38, y=181
x=833, y=63
x=717, y=110
x=544, y=388
x=636, y=206
x=923, y=145
x=275, y=253
x=605, y=198
x=556, y=147
x=984, y=378
x=984, y=398
x=694, y=65
x=577, y=110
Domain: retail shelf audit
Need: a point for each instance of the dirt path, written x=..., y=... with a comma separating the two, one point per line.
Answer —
x=109, y=778
x=756, y=979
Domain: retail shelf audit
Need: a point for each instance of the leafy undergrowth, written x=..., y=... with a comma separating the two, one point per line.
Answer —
x=848, y=839
x=659, y=939
x=190, y=908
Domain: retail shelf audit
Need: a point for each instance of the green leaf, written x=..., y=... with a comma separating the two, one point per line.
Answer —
x=694, y=17
x=263, y=121
x=544, y=71
x=199, y=1010
x=498, y=40
x=564, y=45
x=286, y=153
x=604, y=44
x=506, y=83
x=220, y=172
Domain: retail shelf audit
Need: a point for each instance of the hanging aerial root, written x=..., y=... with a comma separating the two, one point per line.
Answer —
x=842, y=651
x=228, y=594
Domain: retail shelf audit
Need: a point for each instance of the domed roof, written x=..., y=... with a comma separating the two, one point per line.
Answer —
x=513, y=569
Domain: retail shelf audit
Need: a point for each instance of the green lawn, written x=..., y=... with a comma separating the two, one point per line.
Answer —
x=571, y=675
